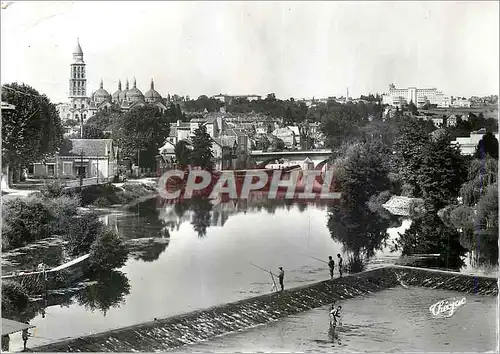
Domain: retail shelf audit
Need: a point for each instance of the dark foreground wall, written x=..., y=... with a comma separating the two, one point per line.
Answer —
x=203, y=324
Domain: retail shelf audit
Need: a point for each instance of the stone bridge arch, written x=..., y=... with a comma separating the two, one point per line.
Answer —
x=320, y=165
x=268, y=161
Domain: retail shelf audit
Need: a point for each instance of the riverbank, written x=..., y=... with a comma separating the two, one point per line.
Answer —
x=201, y=325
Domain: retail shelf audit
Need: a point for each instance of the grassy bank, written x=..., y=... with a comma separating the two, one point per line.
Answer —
x=105, y=195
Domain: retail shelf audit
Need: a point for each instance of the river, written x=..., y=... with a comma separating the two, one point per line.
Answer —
x=187, y=257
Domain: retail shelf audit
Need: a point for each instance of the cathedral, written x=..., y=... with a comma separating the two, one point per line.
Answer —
x=80, y=107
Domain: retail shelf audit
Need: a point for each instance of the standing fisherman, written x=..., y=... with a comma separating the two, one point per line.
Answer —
x=331, y=265
x=281, y=278
x=25, y=335
x=340, y=264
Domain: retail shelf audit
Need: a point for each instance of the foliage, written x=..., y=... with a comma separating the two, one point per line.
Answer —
x=487, y=209
x=409, y=147
x=25, y=221
x=182, y=153
x=63, y=210
x=361, y=172
x=52, y=189
x=429, y=235
x=441, y=173
x=32, y=131
x=91, y=131
x=412, y=108
x=488, y=145
x=66, y=147
x=481, y=174
x=107, y=251
x=82, y=233
x=202, y=103
x=341, y=124
x=142, y=129
x=15, y=299
x=201, y=155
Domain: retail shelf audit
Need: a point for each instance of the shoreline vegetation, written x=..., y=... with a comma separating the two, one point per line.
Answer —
x=70, y=217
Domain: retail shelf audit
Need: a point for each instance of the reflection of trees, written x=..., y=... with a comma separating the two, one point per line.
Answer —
x=149, y=250
x=144, y=224
x=201, y=208
x=109, y=291
x=360, y=231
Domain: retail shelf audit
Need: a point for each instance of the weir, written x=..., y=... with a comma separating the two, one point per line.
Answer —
x=189, y=328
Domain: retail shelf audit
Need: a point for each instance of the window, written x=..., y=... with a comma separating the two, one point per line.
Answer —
x=51, y=169
x=67, y=168
x=84, y=116
x=81, y=106
x=74, y=106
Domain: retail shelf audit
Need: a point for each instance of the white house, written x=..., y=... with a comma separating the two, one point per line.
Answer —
x=468, y=144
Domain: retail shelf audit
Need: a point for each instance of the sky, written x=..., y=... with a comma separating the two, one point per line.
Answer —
x=294, y=49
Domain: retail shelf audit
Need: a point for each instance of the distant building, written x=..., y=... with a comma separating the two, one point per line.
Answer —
x=229, y=98
x=80, y=107
x=460, y=102
x=468, y=144
x=89, y=157
x=401, y=96
x=452, y=121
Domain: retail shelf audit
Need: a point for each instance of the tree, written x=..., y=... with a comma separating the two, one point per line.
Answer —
x=182, y=153
x=107, y=251
x=442, y=172
x=340, y=125
x=409, y=147
x=30, y=132
x=82, y=233
x=142, y=129
x=202, y=155
x=362, y=172
x=488, y=145
x=412, y=108
x=91, y=131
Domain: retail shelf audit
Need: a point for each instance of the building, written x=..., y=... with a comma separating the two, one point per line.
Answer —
x=80, y=106
x=401, y=96
x=452, y=121
x=460, y=102
x=229, y=98
x=468, y=144
x=288, y=136
x=88, y=157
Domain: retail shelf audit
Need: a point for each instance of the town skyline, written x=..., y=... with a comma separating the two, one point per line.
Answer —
x=294, y=57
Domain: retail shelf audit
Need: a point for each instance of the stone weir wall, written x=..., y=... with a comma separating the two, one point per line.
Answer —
x=200, y=325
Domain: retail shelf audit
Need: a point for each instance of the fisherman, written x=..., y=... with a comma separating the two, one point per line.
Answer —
x=331, y=265
x=281, y=277
x=25, y=335
x=340, y=264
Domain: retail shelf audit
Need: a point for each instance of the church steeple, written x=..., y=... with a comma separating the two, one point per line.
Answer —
x=78, y=79
x=152, y=84
x=119, y=85
x=101, y=86
x=135, y=83
x=126, y=85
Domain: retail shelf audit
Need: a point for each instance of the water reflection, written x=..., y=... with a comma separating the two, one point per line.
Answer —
x=105, y=291
x=360, y=231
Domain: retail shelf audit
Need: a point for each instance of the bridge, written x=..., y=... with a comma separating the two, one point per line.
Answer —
x=318, y=157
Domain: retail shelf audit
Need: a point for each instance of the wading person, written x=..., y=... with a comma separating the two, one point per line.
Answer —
x=331, y=265
x=25, y=336
x=340, y=264
x=281, y=278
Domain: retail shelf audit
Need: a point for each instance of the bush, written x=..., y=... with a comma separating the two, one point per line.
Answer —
x=102, y=202
x=107, y=252
x=63, y=210
x=82, y=232
x=14, y=298
x=25, y=221
x=52, y=190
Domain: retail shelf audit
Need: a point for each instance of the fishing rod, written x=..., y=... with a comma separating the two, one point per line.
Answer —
x=265, y=270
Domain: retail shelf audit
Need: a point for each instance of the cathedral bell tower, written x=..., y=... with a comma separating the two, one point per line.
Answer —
x=78, y=86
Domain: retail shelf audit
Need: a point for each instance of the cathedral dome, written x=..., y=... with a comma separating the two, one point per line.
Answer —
x=134, y=94
x=116, y=94
x=122, y=96
x=101, y=95
x=152, y=95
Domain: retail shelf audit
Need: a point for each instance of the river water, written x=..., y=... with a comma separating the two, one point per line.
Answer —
x=191, y=257
x=393, y=320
